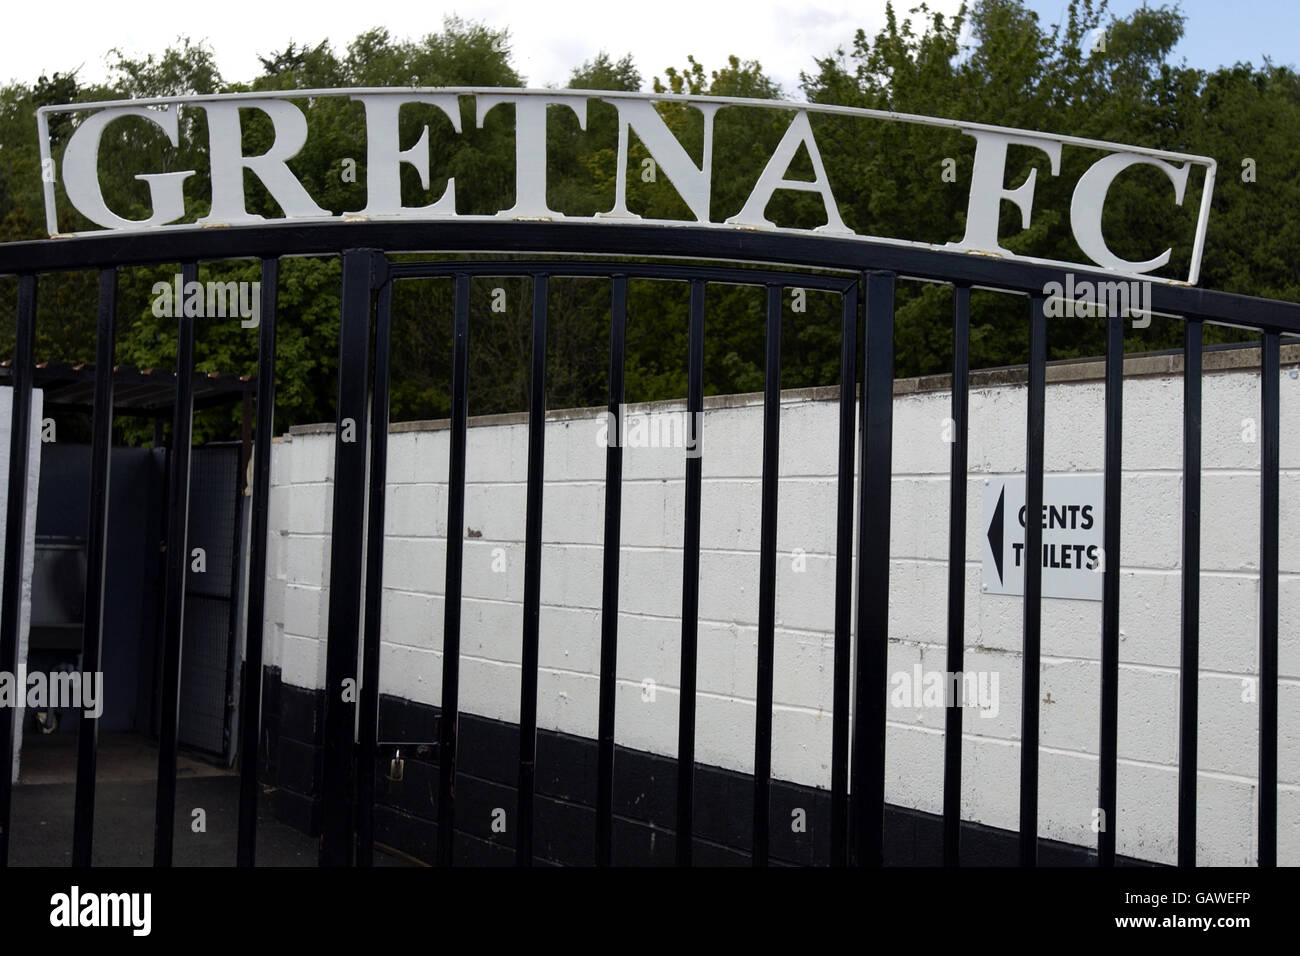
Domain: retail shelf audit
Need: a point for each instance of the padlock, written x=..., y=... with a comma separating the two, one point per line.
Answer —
x=396, y=768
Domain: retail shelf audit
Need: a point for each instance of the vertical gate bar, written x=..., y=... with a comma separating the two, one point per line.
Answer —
x=455, y=564
x=368, y=734
x=229, y=713
x=767, y=577
x=609, y=591
x=1108, y=748
x=15, y=535
x=956, y=573
x=877, y=416
x=250, y=708
x=1033, y=582
x=1270, y=371
x=347, y=547
x=160, y=581
x=691, y=578
x=844, y=579
x=92, y=631
x=532, y=576
x=1189, y=658
x=177, y=563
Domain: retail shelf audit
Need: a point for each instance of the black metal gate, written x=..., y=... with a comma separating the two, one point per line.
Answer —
x=862, y=273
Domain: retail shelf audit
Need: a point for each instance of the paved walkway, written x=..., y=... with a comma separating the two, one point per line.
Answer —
x=41, y=822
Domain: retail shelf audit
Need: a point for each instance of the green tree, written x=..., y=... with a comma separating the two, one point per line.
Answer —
x=1093, y=75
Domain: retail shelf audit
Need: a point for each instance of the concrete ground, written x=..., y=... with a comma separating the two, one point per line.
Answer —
x=125, y=792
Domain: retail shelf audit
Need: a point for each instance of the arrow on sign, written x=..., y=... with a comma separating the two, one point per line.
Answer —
x=995, y=532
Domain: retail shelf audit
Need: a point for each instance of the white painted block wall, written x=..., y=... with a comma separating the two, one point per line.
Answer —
x=650, y=598
x=29, y=537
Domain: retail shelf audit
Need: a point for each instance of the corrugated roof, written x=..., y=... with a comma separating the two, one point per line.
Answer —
x=136, y=391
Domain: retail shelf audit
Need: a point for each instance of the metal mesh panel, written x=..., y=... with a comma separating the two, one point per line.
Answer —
x=205, y=661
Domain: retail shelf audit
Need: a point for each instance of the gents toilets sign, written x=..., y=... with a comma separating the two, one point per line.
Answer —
x=637, y=113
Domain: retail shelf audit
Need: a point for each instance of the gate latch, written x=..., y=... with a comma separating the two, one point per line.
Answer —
x=396, y=753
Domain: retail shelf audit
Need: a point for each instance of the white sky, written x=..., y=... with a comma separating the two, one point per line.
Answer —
x=549, y=37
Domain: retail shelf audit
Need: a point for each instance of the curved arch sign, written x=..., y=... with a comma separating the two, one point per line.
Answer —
x=636, y=113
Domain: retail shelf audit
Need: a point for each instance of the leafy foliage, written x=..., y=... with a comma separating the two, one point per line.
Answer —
x=1094, y=75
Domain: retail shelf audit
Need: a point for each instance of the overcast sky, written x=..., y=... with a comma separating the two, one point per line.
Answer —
x=550, y=37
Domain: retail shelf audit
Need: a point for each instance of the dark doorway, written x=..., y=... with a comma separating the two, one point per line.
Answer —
x=133, y=589
x=131, y=580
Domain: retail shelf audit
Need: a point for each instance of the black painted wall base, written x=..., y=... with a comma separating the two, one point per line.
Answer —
x=289, y=761
x=564, y=814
